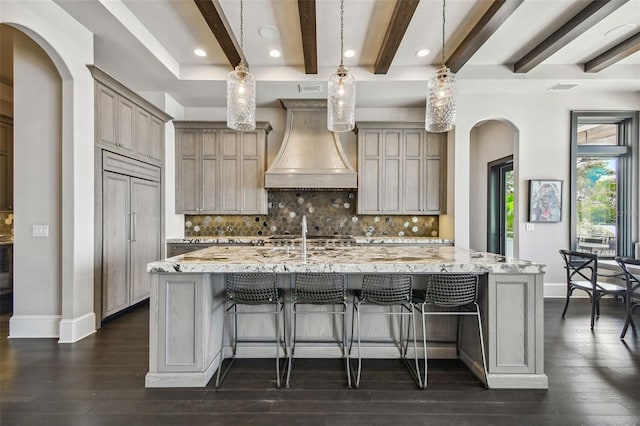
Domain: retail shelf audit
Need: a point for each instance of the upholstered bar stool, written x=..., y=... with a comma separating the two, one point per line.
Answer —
x=320, y=289
x=251, y=289
x=458, y=294
x=388, y=290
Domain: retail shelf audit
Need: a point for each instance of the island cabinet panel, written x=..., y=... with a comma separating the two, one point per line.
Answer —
x=515, y=325
x=400, y=172
x=220, y=171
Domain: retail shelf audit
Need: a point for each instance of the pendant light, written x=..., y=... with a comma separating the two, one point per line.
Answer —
x=241, y=91
x=341, y=93
x=441, y=95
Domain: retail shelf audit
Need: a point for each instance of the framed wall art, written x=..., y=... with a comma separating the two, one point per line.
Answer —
x=545, y=200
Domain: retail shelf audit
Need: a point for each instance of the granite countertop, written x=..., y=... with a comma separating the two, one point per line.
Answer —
x=358, y=259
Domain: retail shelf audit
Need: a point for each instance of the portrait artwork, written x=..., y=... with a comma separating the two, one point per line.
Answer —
x=545, y=200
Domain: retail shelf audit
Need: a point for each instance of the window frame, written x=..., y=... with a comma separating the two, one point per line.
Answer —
x=628, y=187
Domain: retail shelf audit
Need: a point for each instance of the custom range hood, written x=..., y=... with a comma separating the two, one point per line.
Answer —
x=311, y=156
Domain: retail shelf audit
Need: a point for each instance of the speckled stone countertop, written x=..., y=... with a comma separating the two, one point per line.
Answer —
x=358, y=259
x=218, y=240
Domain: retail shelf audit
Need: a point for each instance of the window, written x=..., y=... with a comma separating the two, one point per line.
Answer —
x=604, y=182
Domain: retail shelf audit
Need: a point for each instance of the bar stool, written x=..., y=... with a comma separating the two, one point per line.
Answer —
x=450, y=291
x=319, y=289
x=251, y=289
x=390, y=290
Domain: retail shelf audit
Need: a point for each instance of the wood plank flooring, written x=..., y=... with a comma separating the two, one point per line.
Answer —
x=594, y=379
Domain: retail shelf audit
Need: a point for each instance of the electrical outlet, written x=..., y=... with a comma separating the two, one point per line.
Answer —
x=530, y=227
x=40, y=230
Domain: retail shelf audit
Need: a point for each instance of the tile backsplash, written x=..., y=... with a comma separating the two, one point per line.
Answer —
x=6, y=223
x=328, y=213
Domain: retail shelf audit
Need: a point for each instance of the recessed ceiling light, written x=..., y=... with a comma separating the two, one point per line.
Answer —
x=422, y=53
x=275, y=53
x=269, y=32
x=619, y=30
x=349, y=53
x=200, y=52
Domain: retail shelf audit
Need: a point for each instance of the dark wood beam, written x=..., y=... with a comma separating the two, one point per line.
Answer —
x=402, y=14
x=582, y=21
x=307, y=12
x=615, y=54
x=498, y=12
x=212, y=13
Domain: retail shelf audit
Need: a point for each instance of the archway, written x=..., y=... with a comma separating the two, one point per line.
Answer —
x=492, y=142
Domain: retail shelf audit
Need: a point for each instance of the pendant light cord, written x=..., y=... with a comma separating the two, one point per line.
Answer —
x=444, y=5
x=341, y=31
x=241, y=32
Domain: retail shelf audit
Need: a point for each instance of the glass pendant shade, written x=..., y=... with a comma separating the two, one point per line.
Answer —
x=341, y=101
x=241, y=99
x=441, y=101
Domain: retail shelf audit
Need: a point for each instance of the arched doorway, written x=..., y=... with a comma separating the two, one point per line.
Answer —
x=493, y=187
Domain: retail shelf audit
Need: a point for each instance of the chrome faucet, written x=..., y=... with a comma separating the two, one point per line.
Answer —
x=304, y=238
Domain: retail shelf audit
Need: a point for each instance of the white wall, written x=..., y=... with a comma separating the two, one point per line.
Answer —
x=38, y=178
x=488, y=142
x=544, y=149
x=70, y=47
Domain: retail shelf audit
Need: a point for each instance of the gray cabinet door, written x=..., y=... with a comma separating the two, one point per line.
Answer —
x=413, y=177
x=252, y=176
x=231, y=164
x=143, y=142
x=145, y=234
x=392, y=168
x=157, y=139
x=433, y=169
x=115, y=242
x=370, y=168
x=126, y=124
x=188, y=186
x=208, y=165
x=107, y=116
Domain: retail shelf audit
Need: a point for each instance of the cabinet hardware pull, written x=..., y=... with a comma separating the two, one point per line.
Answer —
x=134, y=219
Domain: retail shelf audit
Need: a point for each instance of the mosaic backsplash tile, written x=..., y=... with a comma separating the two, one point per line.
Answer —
x=6, y=223
x=328, y=213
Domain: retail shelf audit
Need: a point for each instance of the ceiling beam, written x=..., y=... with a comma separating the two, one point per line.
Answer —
x=615, y=54
x=578, y=24
x=498, y=12
x=402, y=14
x=212, y=13
x=307, y=13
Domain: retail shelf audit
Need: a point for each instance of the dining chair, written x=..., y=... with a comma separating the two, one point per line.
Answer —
x=582, y=274
x=632, y=298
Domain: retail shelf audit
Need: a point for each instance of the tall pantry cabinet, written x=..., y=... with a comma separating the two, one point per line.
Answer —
x=129, y=160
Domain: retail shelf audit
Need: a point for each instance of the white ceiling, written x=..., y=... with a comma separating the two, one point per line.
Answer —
x=148, y=45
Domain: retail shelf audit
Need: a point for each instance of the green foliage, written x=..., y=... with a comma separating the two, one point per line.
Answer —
x=596, y=196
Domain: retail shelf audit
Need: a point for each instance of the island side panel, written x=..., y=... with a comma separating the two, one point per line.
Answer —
x=186, y=310
x=515, y=325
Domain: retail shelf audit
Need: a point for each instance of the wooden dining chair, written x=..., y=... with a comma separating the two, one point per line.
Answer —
x=582, y=274
x=632, y=298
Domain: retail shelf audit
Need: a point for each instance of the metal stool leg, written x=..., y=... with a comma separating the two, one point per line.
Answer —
x=484, y=360
x=345, y=353
x=415, y=349
x=292, y=343
x=224, y=315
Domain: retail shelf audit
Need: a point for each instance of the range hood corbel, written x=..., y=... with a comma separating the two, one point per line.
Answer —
x=310, y=155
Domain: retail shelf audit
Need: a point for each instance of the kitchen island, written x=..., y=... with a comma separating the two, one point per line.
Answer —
x=187, y=299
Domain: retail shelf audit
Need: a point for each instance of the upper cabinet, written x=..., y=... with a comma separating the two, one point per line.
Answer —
x=6, y=163
x=126, y=123
x=400, y=169
x=220, y=171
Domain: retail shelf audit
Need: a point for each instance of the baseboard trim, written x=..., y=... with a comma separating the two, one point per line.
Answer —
x=198, y=379
x=72, y=330
x=34, y=326
x=518, y=381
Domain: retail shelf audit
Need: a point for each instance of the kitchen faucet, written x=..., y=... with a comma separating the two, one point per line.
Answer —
x=304, y=238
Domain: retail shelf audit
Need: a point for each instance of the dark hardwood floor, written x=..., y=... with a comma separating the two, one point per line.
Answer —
x=594, y=379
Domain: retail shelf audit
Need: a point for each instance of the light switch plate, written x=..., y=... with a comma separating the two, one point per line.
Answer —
x=530, y=227
x=40, y=230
